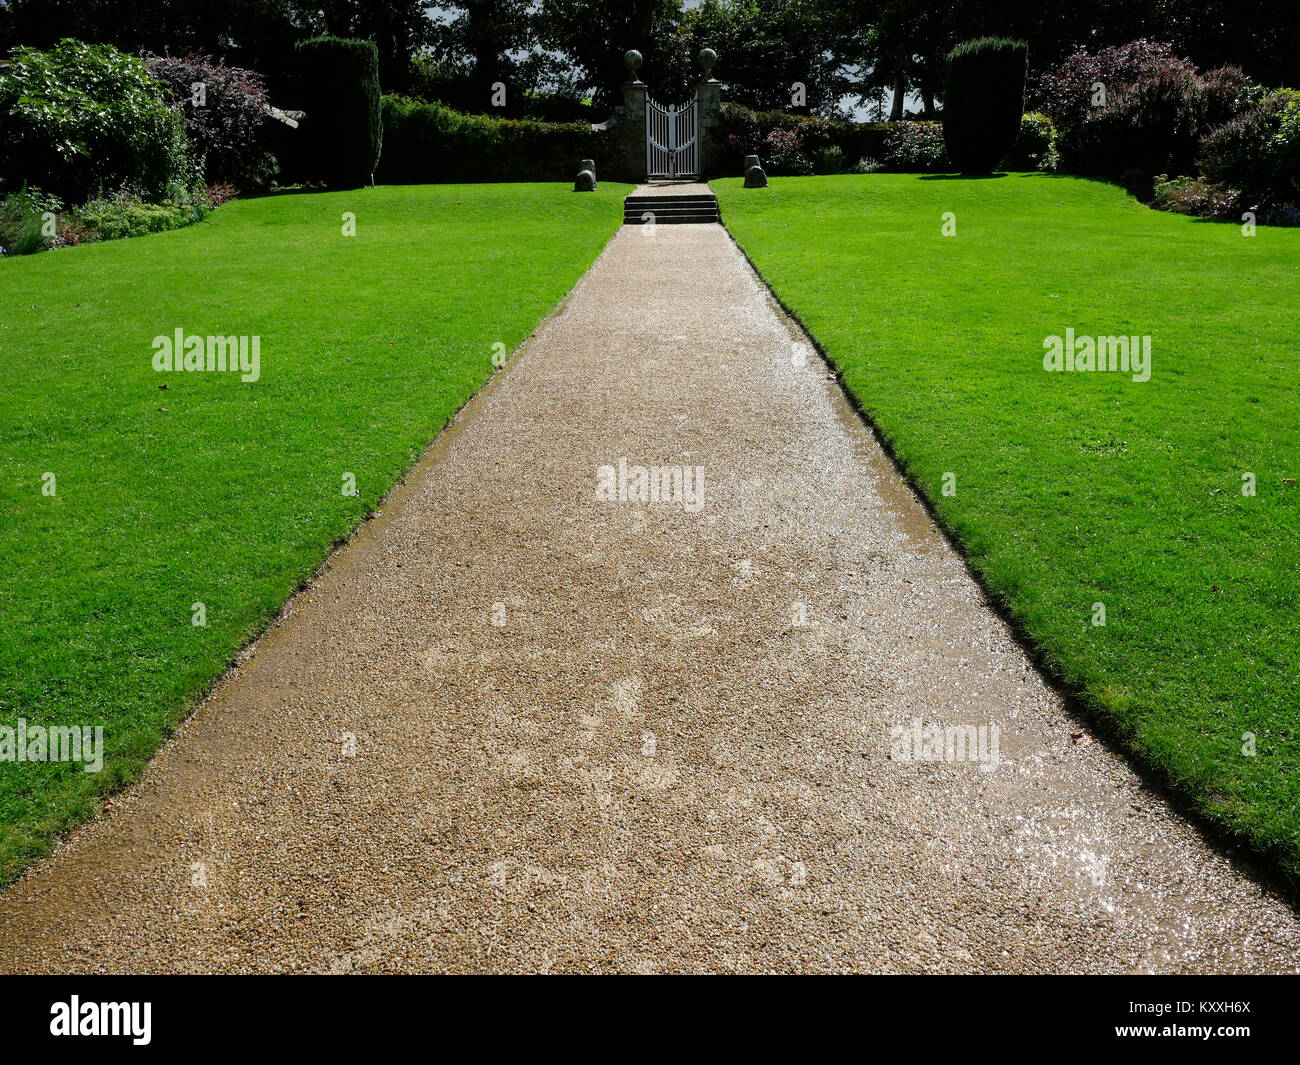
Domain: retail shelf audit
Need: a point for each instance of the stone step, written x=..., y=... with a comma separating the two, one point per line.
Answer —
x=656, y=203
x=671, y=209
x=665, y=212
x=670, y=220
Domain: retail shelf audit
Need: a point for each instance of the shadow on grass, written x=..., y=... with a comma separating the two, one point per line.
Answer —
x=961, y=177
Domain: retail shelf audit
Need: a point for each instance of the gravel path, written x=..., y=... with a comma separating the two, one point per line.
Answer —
x=515, y=727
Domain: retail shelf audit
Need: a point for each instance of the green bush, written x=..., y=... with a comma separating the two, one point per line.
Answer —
x=983, y=101
x=343, y=127
x=23, y=221
x=1035, y=147
x=125, y=214
x=1259, y=151
x=828, y=160
x=431, y=143
x=82, y=117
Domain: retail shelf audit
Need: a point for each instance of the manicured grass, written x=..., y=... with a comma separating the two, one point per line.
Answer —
x=1082, y=488
x=216, y=491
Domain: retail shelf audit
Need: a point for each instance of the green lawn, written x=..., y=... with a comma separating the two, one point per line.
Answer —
x=215, y=491
x=1079, y=488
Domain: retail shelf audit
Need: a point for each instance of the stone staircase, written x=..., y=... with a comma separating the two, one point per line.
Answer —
x=671, y=208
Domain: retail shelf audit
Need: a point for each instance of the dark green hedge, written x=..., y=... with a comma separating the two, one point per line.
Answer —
x=430, y=143
x=342, y=133
x=741, y=132
x=984, y=100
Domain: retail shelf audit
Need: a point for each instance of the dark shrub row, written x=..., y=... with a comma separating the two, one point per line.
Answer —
x=430, y=143
x=742, y=131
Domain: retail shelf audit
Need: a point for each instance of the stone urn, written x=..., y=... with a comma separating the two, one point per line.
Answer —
x=632, y=60
x=708, y=58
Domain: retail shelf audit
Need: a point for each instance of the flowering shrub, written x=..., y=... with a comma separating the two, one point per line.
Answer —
x=784, y=154
x=218, y=195
x=912, y=147
x=1152, y=125
x=1195, y=196
x=80, y=117
x=1259, y=151
x=224, y=117
x=1225, y=93
x=1066, y=95
x=1139, y=106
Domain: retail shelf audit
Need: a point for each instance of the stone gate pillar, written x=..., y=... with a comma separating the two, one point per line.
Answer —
x=633, y=126
x=708, y=97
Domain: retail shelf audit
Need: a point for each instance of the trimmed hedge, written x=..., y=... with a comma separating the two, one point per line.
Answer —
x=983, y=102
x=343, y=130
x=743, y=131
x=428, y=143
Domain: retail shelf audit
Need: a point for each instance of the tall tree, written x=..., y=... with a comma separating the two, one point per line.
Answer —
x=485, y=43
x=774, y=54
x=595, y=34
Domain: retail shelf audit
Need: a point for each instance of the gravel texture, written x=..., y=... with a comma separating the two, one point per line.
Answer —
x=674, y=751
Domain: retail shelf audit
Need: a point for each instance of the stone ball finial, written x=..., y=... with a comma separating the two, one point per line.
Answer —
x=708, y=57
x=632, y=60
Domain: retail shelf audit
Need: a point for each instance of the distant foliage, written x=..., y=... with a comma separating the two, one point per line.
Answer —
x=343, y=129
x=742, y=131
x=983, y=101
x=81, y=117
x=224, y=109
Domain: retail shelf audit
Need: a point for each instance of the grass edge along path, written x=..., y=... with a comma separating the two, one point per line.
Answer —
x=1078, y=489
x=220, y=492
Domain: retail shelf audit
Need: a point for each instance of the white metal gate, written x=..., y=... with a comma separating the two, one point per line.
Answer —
x=672, y=147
